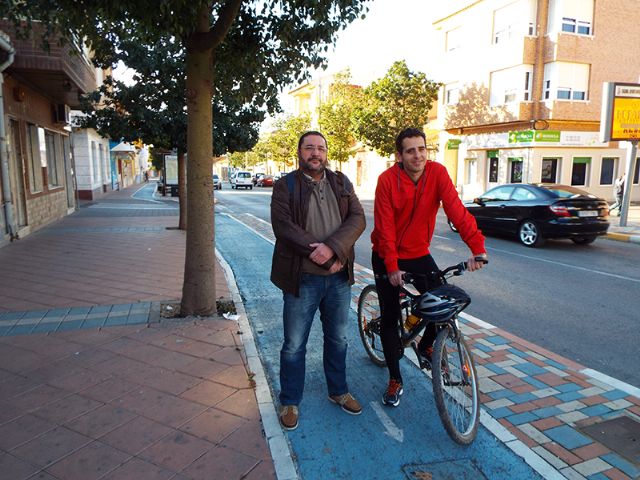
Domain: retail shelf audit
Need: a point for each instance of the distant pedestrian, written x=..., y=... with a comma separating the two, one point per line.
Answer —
x=618, y=191
x=316, y=218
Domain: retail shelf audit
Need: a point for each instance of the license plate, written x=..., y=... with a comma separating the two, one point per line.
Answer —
x=587, y=213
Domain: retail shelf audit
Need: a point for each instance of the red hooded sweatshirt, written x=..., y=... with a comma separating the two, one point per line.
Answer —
x=405, y=214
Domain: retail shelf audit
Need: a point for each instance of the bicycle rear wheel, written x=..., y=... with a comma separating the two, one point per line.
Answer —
x=369, y=323
x=455, y=387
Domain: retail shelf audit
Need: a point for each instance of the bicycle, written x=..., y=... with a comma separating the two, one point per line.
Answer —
x=454, y=377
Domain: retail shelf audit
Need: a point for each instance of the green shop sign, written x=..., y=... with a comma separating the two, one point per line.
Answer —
x=529, y=136
x=453, y=144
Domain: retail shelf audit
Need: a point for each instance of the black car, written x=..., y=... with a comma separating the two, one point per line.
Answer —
x=537, y=212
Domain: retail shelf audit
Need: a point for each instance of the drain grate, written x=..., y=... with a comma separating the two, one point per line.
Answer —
x=620, y=434
x=444, y=470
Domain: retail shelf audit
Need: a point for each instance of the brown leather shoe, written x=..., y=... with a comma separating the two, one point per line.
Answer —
x=289, y=417
x=347, y=402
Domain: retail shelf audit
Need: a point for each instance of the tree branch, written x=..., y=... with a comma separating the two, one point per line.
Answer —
x=217, y=33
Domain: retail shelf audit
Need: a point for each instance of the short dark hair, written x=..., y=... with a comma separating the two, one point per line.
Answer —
x=311, y=132
x=408, y=133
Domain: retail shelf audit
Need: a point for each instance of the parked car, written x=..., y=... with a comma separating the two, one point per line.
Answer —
x=256, y=177
x=242, y=180
x=217, y=183
x=265, y=181
x=535, y=212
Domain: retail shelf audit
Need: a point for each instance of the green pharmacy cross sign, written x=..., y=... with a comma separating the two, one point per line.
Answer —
x=530, y=136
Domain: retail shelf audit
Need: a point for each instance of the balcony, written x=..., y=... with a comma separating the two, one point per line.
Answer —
x=62, y=73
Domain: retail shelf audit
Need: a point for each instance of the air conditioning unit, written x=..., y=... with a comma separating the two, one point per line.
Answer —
x=61, y=113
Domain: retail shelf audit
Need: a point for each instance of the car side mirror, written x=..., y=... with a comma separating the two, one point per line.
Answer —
x=479, y=201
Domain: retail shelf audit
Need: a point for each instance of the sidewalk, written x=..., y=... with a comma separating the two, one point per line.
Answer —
x=94, y=383
x=630, y=233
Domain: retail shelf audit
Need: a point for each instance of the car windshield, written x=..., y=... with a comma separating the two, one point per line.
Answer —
x=562, y=191
x=215, y=177
x=244, y=175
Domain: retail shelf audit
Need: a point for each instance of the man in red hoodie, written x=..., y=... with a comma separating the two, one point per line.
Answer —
x=408, y=196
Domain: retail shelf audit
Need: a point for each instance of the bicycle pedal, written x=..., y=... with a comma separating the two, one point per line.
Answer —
x=422, y=361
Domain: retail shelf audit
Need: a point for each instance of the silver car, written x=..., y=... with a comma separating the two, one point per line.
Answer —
x=217, y=183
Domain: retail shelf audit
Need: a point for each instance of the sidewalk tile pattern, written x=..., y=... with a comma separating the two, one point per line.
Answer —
x=540, y=397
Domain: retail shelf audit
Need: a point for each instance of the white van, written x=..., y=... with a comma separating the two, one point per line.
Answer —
x=242, y=180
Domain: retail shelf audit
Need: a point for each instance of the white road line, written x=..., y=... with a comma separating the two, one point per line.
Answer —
x=575, y=267
x=390, y=428
x=477, y=321
x=248, y=227
x=130, y=206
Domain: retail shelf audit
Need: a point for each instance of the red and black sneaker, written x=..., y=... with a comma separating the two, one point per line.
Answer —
x=392, y=395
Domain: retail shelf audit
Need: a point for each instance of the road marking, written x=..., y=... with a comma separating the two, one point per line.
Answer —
x=248, y=227
x=390, y=428
x=477, y=321
x=130, y=206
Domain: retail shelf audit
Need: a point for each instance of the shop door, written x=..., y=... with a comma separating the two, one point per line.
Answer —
x=16, y=175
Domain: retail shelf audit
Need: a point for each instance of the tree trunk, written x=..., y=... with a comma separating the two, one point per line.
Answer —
x=182, y=190
x=198, y=291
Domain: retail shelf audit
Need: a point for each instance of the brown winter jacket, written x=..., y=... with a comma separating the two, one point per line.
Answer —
x=289, y=217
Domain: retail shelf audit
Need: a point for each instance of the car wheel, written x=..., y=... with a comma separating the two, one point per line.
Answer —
x=529, y=234
x=251, y=187
x=583, y=240
x=452, y=226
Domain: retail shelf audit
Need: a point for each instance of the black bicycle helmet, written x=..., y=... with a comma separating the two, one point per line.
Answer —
x=441, y=303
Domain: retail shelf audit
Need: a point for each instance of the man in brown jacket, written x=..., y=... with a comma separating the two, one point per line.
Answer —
x=316, y=218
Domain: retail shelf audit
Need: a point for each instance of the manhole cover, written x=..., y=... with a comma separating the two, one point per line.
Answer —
x=445, y=470
x=620, y=434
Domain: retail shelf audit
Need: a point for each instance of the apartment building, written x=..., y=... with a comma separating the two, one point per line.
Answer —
x=522, y=92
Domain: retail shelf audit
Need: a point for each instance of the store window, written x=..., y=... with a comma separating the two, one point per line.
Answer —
x=36, y=157
x=549, y=173
x=470, y=170
x=580, y=171
x=515, y=169
x=493, y=169
x=608, y=170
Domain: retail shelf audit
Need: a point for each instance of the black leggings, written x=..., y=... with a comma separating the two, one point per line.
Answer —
x=388, y=295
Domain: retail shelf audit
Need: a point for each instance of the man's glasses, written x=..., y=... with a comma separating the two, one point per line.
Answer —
x=311, y=148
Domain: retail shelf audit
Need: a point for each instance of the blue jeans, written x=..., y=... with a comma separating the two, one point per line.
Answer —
x=332, y=294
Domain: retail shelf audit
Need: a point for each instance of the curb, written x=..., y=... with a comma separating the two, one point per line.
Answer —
x=623, y=237
x=278, y=444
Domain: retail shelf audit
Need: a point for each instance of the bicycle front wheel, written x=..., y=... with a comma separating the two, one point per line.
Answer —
x=455, y=386
x=369, y=324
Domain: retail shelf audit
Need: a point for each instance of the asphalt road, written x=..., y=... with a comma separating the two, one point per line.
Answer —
x=580, y=302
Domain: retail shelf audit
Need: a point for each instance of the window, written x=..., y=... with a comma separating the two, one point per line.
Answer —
x=527, y=86
x=54, y=159
x=580, y=171
x=549, y=173
x=515, y=169
x=94, y=162
x=493, y=169
x=506, y=85
x=547, y=89
x=568, y=25
x=636, y=174
x=452, y=96
x=570, y=81
x=571, y=16
x=584, y=28
x=453, y=40
x=510, y=95
x=470, y=170
x=37, y=157
x=521, y=193
x=498, y=193
x=607, y=171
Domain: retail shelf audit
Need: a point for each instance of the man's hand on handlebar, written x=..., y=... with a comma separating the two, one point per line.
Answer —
x=476, y=262
x=395, y=278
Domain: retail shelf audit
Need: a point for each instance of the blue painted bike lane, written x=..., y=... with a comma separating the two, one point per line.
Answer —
x=382, y=443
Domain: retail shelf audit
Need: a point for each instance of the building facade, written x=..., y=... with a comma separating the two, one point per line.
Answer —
x=522, y=91
x=38, y=89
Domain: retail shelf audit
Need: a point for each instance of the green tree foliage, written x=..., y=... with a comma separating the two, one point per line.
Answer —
x=257, y=46
x=281, y=146
x=337, y=117
x=399, y=100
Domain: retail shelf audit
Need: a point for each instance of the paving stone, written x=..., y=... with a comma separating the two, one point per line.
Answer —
x=572, y=417
x=554, y=460
x=590, y=467
x=570, y=474
x=534, y=433
x=571, y=406
x=546, y=392
x=568, y=437
x=627, y=467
